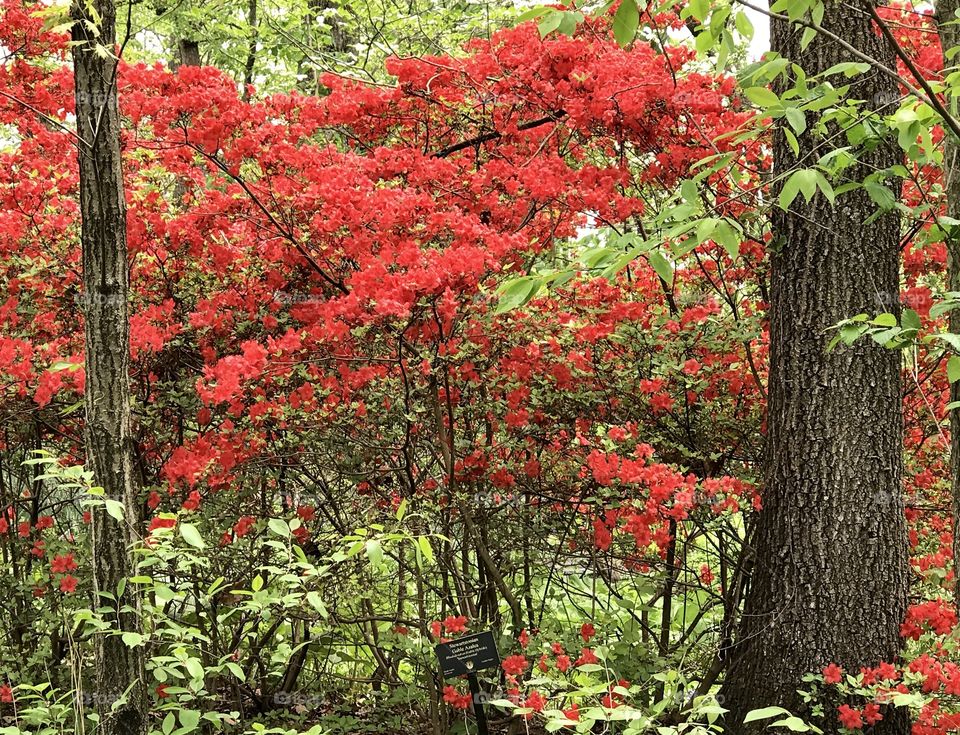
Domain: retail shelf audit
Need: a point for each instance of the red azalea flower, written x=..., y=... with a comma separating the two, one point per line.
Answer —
x=243, y=525
x=158, y=523
x=872, y=714
x=706, y=574
x=515, y=664
x=535, y=701
x=68, y=583
x=850, y=718
x=63, y=563
x=832, y=674
x=307, y=513
x=455, y=699
x=586, y=657
x=192, y=502
x=455, y=624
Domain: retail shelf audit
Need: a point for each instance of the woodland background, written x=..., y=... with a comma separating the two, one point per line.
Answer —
x=332, y=330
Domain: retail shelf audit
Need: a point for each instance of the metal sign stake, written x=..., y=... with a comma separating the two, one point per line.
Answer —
x=477, y=697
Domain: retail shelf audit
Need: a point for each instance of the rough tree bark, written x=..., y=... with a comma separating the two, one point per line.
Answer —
x=120, y=685
x=949, y=29
x=189, y=51
x=830, y=570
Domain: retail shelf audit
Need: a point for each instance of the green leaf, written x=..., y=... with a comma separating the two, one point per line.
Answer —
x=191, y=535
x=374, y=552
x=789, y=192
x=705, y=41
x=71, y=366
x=793, y=723
x=402, y=509
x=743, y=25
x=189, y=718
x=847, y=68
x=194, y=668
x=131, y=639
x=625, y=22
x=762, y=97
x=699, y=9
x=114, y=508
x=880, y=194
x=909, y=319
x=803, y=181
x=953, y=369
x=550, y=23
x=532, y=13
x=705, y=228
x=951, y=339
x=72, y=408
x=569, y=21
x=661, y=265
x=517, y=292
x=424, y=543
x=279, y=526
x=316, y=602
x=826, y=188
x=765, y=713
x=796, y=118
x=792, y=142
x=728, y=237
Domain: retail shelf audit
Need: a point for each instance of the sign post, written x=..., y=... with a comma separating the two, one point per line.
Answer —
x=477, y=697
x=468, y=655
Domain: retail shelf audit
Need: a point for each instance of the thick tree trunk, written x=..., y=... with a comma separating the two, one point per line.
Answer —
x=830, y=572
x=119, y=668
x=949, y=29
x=189, y=51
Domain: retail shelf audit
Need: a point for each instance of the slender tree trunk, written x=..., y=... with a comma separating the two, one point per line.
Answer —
x=119, y=668
x=830, y=573
x=949, y=28
x=251, y=61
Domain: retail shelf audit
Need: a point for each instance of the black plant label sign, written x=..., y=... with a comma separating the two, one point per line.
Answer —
x=468, y=654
